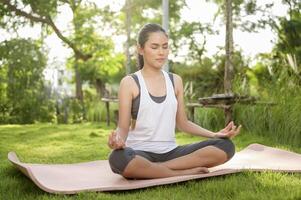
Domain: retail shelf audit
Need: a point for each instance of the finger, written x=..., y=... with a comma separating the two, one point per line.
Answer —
x=110, y=144
x=233, y=135
x=122, y=144
x=231, y=132
x=114, y=137
x=229, y=126
x=115, y=145
x=112, y=132
x=238, y=130
x=110, y=140
x=119, y=143
x=119, y=146
x=111, y=136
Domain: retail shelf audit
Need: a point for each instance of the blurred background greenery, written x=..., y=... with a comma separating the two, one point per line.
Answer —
x=93, y=68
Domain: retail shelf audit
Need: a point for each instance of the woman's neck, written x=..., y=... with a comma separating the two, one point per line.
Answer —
x=150, y=71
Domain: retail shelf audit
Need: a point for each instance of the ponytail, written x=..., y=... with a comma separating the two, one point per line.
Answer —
x=140, y=62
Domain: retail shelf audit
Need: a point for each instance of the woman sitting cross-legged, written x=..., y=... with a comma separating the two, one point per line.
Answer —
x=151, y=106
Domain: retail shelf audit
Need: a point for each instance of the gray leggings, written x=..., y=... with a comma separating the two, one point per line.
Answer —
x=120, y=158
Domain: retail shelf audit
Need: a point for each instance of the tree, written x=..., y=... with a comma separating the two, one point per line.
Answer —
x=229, y=49
x=288, y=45
x=41, y=12
x=104, y=63
x=127, y=9
x=185, y=34
x=44, y=14
x=284, y=60
x=25, y=100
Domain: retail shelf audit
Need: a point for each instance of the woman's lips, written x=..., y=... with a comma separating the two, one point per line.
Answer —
x=160, y=59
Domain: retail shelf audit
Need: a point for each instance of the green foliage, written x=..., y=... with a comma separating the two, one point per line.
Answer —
x=281, y=121
x=207, y=76
x=276, y=78
x=23, y=95
x=210, y=118
x=38, y=8
x=95, y=108
x=70, y=110
x=242, y=12
x=3, y=97
x=147, y=11
x=96, y=111
x=279, y=115
x=104, y=65
x=42, y=7
x=185, y=34
x=289, y=42
x=204, y=78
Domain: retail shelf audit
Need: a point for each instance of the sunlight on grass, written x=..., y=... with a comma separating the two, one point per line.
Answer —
x=46, y=143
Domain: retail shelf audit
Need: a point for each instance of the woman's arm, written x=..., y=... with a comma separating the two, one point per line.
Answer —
x=125, y=95
x=182, y=122
x=125, y=106
x=187, y=126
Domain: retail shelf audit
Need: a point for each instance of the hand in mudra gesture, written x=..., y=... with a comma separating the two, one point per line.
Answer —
x=229, y=131
x=115, y=141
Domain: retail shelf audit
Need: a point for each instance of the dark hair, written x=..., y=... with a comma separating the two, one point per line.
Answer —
x=143, y=37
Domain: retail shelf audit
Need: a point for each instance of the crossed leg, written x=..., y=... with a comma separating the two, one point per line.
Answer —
x=193, y=163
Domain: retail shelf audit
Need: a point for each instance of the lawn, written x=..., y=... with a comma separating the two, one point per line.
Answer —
x=46, y=143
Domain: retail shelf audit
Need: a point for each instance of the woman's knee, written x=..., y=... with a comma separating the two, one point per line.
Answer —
x=227, y=146
x=120, y=158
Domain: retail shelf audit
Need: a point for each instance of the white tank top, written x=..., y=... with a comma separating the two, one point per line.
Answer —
x=155, y=125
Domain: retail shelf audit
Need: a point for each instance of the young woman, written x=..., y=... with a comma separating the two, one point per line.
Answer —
x=151, y=106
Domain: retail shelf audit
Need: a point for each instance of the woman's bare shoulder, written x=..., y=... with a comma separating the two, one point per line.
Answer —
x=177, y=78
x=177, y=81
x=128, y=83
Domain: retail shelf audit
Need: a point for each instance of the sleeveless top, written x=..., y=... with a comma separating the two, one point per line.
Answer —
x=155, y=125
x=136, y=100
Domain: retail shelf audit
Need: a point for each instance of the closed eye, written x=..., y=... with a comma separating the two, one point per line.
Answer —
x=155, y=46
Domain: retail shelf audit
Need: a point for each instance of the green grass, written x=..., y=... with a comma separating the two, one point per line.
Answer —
x=46, y=143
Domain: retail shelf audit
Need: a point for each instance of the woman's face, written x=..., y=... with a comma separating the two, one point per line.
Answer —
x=155, y=50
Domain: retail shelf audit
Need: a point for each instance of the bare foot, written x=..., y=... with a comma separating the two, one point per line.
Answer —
x=193, y=171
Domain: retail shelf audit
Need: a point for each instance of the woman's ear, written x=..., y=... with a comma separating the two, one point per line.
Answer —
x=140, y=49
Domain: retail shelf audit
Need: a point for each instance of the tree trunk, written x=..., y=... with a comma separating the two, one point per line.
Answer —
x=228, y=77
x=101, y=89
x=78, y=82
x=128, y=35
x=165, y=23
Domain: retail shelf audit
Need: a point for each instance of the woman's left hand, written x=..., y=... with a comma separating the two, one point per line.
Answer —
x=229, y=131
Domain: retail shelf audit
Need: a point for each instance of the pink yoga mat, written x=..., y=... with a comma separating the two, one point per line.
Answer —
x=97, y=175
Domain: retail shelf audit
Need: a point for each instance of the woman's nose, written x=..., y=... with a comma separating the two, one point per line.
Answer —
x=161, y=50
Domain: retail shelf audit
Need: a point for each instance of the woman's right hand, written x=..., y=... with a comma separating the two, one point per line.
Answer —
x=115, y=141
